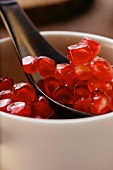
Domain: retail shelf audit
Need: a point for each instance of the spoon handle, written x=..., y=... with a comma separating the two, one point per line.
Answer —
x=26, y=38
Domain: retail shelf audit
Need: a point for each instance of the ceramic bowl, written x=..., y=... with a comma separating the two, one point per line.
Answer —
x=38, y=144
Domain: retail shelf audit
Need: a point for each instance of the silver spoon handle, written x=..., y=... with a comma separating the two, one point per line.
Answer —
x=26, y=38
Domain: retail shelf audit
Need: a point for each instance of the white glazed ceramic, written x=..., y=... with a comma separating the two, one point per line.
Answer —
x=34, y=3
x=78, y=144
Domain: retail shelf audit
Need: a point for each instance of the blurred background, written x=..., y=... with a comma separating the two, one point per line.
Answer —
x=90, y=16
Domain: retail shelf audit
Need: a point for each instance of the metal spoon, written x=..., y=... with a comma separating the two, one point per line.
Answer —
x=28, y=41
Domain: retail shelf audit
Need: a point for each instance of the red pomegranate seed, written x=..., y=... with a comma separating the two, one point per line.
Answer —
x=41, y=107
x=95, y=46
x=24, y=92
x=82, y=104
x=102, y=69
x=50, y=85
x=71, y=80
x=30, y=64
x=100, y=102
x=4, y=103
x=83, y=71
x=80, y=53
x=41, y=85
x=59, y=77
x=6, y=94
x=95, y=83
x=46, y=66
x=19, y=108
x=6, y=83
x=63, y=95
x=64, y=69
x=81, y=91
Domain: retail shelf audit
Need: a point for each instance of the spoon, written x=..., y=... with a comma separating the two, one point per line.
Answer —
x=28, y=41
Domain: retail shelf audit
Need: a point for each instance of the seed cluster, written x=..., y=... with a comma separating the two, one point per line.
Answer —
x=20, y=99
x=85, y=83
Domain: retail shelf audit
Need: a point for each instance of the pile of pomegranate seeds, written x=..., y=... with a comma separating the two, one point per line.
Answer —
x=20, y=99
x=85, y=84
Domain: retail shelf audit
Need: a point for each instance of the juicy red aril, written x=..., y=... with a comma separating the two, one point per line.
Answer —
x=83, y=71
x=63, y=95
x=24, y=92
x=6, y=83
x=19, y=108
x=46, y=66
x=30, y=64
x=41, y=107
x=102, y=69
x=82, y=104
x=64, y=69
x=81, y=91
x=95, y=46
x=95, y=83
x=100, y=103
x=71, y=80
x=50, y=84
x=4, y=103
x=6, y=94
x=80, y=53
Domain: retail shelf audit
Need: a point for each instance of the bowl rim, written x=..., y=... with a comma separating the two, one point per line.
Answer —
x=62, y=121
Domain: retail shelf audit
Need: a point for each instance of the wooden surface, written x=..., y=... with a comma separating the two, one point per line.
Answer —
x=95, y=17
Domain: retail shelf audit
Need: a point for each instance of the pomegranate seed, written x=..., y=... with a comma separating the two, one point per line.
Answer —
x=6, y=94
x=82, y=104
x=6, y=83
x=41, y=107
x=46, y=66
x=24, y=92
x=80, y=53
x=41, y=85
x=83, y=71
x=30, y=64
x=81, y=91
x=95, y=83
x=4, y=103
x=100, y=102
x=95, y=46
x=102, y=69
x=19, y=108
x=63, y=95
x=64, y=69
x=50, y=85
x=71, y=80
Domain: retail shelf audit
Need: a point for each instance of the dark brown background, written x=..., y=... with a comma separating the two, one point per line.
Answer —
x=91, y=16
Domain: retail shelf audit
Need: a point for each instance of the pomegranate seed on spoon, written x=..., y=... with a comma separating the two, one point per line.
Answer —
x=30, y=64
x=95, y=46
x=102, y=69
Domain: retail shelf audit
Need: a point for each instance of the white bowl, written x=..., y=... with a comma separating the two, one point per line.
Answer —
x=35, y=144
